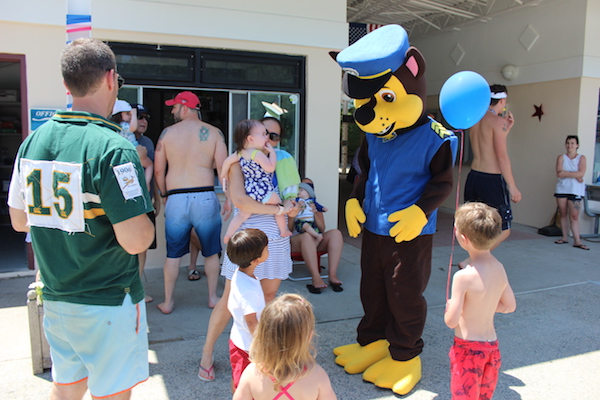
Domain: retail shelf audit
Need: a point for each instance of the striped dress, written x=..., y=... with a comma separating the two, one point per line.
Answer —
x=279, y=263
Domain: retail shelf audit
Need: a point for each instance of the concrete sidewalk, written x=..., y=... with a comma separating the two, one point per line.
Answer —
x=550, y=345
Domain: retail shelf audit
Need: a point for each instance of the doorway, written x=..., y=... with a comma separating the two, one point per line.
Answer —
x=14, y=128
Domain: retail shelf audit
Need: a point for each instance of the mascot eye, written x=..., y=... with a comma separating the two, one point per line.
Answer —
x=388, y=96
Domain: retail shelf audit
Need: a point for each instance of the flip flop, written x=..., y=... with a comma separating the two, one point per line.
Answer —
x=560, y=241
x=210, y=373
x=582, y=247
x=313, y=289
x=337, y=287
x=193, y=275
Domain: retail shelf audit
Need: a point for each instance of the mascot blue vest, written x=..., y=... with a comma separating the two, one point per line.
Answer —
x=406, y=161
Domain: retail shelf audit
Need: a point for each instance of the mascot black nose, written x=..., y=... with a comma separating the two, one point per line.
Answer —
x=365, y=114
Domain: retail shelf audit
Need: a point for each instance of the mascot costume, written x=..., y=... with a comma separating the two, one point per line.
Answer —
x=407, y=161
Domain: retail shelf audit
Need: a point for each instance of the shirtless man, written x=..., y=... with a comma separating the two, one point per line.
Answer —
x=491, y=179
x=191, y=149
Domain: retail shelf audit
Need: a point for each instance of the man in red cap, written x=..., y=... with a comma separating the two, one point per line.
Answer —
x=191, y=149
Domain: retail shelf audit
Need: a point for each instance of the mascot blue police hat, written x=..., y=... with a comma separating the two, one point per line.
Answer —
x=372, y=59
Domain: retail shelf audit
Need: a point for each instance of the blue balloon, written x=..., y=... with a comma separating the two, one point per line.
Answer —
x=464, y=99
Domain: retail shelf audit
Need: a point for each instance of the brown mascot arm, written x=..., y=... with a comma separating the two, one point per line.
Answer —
x=358, y=191
x=440, y=184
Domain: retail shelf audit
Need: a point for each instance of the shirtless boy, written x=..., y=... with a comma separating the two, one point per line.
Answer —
x=479, y=291
x=191, y=149
x=491, y=179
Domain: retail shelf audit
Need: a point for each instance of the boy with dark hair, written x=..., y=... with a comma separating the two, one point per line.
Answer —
x=479, y=290
x=246, y=248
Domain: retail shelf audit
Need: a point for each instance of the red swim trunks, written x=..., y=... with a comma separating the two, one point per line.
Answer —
x=474, y=368
x=239, y=359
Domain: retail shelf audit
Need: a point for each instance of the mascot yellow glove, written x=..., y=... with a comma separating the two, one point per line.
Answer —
x=354, y=217
x=410, y=223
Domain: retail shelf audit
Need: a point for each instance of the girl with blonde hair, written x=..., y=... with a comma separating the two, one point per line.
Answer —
x=283, y=357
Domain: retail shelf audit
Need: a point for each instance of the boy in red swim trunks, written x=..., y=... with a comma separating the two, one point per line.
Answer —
x=479, y=290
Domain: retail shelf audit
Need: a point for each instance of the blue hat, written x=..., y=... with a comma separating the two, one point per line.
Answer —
x=370, y=62
x=381, y=51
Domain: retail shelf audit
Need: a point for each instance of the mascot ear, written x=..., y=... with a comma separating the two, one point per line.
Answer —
x=415, y=62
x=334, y=54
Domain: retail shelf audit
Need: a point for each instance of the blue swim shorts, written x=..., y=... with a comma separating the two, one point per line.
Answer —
x=199, y=210
x=106, y=345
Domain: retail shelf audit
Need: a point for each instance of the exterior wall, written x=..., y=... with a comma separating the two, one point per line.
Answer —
x=291, y=28
x=570, y=108
x=549, y=73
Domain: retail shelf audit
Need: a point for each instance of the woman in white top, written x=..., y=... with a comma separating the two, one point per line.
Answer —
x=570, y=189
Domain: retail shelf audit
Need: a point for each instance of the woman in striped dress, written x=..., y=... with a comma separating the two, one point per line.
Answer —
x=270, y=273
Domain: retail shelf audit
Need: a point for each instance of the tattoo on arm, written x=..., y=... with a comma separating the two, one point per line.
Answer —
x=222, y=136
x=163, y=133
x=204, y=134
x=505, y=127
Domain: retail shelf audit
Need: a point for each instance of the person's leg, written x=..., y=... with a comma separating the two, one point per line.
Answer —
x=564, y=222
x=212, y=268
x=121, y=396
x=194, y=251
x=73, y=391
x=307, y=227
x=235, y=223
x=142, y=262
x=491, y=370
x=270, y=288
x=305, y=244
x=333, y=243
x=574, y=208
x=281, y=220
x=219, y=318
x=171, y=272
x=503, y=236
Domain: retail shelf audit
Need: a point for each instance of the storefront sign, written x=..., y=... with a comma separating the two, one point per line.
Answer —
x=39, y=116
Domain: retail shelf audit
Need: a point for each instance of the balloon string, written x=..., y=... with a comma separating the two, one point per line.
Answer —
x=460, y=161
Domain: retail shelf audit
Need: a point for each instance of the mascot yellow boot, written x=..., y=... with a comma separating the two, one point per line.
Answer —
x=406, y=161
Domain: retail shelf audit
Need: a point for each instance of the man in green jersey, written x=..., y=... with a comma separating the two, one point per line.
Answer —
x=78, y=187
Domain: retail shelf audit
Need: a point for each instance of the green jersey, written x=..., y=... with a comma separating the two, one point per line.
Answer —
x=75, y=177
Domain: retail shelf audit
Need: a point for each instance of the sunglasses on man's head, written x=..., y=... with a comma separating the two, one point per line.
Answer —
x=276, y=137
x=120, y=81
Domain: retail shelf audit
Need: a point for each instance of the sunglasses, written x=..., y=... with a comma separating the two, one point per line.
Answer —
x=144, y=116
x=276, y=137
x=120, y=81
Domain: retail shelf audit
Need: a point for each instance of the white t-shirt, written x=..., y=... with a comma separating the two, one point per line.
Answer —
x=246, y=297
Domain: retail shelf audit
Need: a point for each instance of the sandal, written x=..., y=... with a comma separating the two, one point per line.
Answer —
x=210, y=373
x=313, y=289
x=337, y=287
x=581, y=246
x=560, y=241
x=193, y=275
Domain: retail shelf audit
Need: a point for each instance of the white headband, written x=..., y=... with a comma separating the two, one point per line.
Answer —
x=498, y=95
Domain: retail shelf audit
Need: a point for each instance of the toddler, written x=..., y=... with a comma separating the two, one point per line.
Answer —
x=251, y=139
x=283, y=357
x=305, y=220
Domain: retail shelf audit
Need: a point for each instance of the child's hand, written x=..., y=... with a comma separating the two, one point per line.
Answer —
x=269, y=148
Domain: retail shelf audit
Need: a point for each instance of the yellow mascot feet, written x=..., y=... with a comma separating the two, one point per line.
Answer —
x=346, y=348
x=356, y=358
x=400, y=376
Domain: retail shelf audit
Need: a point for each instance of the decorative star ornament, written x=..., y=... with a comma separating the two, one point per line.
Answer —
x=538, y=112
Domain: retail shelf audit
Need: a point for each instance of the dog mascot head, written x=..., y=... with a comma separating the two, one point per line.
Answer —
x=386, y=77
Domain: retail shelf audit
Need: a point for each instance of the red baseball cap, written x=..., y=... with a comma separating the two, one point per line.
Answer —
x=187, y=99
